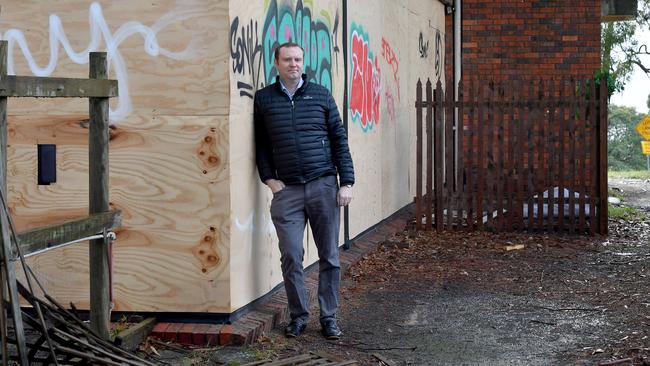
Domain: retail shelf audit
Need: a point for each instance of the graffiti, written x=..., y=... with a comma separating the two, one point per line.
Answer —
x=365, y=81
x=284, y=24
x=390, y=105
x=246, y=54
x=335, y=38
x=439, y=50
x=390, y=57
x=255, y=222
x=424, y=47
x=99, y=32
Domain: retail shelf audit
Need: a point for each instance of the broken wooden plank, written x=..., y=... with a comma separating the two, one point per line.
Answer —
x=40, y=87
x=383, y=359
x=286, y=361
x=130, y=338
x=53, y=235
x=9, y=275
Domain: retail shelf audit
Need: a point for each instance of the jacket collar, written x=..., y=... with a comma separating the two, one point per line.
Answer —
x=299, y=90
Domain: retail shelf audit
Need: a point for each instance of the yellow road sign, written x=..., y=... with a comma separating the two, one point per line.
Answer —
x=643, y=128
x=645, y=147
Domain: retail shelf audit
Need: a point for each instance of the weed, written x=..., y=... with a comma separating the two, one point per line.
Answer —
x=638, y=174
x=626, y=213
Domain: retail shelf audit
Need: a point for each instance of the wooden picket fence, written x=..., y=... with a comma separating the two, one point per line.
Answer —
x=531, y=155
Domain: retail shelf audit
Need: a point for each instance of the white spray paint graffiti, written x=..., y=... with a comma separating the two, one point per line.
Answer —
x=248, y=224
x=99, y=31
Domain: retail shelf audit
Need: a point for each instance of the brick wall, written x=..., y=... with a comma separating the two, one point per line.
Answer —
x=523, y=38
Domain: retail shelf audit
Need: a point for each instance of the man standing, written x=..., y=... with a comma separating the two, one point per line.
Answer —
x=301, y=147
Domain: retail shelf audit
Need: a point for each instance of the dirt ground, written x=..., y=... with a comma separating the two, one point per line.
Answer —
x=465, y=299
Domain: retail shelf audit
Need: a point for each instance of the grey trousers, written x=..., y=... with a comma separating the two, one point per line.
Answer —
x=291, y=208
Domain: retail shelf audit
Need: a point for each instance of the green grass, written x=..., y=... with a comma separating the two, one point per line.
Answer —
x=626, y=213
x=617, y=194
x=638, y=174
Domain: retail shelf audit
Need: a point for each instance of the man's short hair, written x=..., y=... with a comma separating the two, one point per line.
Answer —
x=287, y=45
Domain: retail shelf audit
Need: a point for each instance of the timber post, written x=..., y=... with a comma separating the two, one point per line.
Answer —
x=98, y=200
x=3, y=120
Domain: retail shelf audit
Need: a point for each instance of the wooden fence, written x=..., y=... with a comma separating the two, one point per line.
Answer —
x=531, y=155
x=98, y=89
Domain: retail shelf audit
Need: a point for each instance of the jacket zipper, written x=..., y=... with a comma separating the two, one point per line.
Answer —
x=295, y=135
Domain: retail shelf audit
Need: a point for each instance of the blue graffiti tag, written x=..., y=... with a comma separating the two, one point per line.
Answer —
x=284, y=24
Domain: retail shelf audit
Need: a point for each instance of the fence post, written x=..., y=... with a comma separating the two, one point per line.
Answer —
x=3, y=121
x=98, y=200
x=430, y=160
x=418, y=169
x=602, y=161
x=439, y=153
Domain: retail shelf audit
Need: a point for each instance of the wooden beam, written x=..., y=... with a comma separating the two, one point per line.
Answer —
x=3, y=119
x=40, y=87
x=53, y=235
x=9, y=275
x=98, y=200
x=3, y=189
x=131, y=338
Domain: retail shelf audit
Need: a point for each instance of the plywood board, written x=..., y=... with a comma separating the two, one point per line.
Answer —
x=168, y=56
x=169, y=154
x=385, y=56
x=172, y=253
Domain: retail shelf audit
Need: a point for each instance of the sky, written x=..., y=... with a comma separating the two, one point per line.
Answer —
x=637, y=89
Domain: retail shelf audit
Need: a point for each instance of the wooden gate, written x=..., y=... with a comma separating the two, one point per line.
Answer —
x=530, y=155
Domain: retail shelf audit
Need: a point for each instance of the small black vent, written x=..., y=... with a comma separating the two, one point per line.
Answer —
x=46, y=164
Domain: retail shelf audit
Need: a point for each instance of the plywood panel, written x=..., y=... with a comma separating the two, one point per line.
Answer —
x=169, y=56
x=385, y=56
x=169, y=157
x=169, y=176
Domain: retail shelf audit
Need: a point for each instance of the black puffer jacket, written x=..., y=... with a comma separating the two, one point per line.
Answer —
x=301, y=140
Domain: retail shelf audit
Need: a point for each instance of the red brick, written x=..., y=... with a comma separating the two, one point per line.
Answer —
x=225, y=335
x=267, y=320
x=185, y=333
x=198, y=334
x=213, y=335
x=171, y=334
x=159, y=330
x=255, y=325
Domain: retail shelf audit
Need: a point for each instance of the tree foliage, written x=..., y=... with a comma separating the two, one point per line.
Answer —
x=621, y=50
x=623, y=141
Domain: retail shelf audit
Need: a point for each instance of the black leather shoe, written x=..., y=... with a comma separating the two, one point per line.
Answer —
x=295, y=328
x=330, y=330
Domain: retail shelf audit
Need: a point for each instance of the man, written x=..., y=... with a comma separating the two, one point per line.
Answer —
x=301, y=147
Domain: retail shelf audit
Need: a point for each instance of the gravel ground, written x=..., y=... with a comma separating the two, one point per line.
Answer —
x=466, y=299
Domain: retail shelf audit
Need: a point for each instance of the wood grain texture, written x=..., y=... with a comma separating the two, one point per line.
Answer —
x=169, y=176
x=183, y=73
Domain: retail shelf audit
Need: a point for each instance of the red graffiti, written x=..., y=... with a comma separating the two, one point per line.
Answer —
x=366, y=83
x=390, y=57
x=390, y=105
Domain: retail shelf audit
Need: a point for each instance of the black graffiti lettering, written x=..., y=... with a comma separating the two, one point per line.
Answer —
x=424, y=47
x=335, y=40
x=246, y=54
x=439, y=51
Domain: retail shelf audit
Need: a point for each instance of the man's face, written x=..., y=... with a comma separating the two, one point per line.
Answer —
x=289, y=63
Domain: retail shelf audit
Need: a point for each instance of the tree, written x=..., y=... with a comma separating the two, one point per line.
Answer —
x=621, y=50
x=623, y=141
x=648, y=102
